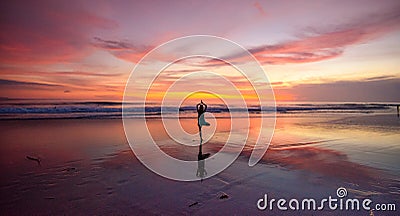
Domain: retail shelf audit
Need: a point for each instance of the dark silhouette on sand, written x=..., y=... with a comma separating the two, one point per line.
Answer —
x=201, y=171
x=201, y=109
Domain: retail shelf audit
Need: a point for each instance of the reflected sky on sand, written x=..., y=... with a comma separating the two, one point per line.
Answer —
x=87, y=163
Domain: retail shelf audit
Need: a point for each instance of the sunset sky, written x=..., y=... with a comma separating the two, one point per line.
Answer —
x=341, y=51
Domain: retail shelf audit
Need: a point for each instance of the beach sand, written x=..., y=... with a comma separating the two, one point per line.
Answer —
x=87, y=167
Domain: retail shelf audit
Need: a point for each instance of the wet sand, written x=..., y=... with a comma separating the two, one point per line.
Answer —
x=87, y=167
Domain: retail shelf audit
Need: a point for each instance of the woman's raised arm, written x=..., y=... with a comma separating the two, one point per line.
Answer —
x=205, y=106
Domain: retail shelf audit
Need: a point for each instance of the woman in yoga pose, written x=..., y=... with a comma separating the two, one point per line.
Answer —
x=201, y=171
x=201, y=109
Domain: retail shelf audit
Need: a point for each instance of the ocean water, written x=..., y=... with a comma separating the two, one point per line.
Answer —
x=106, y=110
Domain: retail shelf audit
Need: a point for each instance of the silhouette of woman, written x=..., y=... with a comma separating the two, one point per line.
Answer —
x=201, y=171
x=201, y=109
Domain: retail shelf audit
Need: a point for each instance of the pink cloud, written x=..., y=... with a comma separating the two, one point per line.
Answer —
x=260, y=9
x=321, y=44
x=57, y=73
x=46, y=32
x=126, y=50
